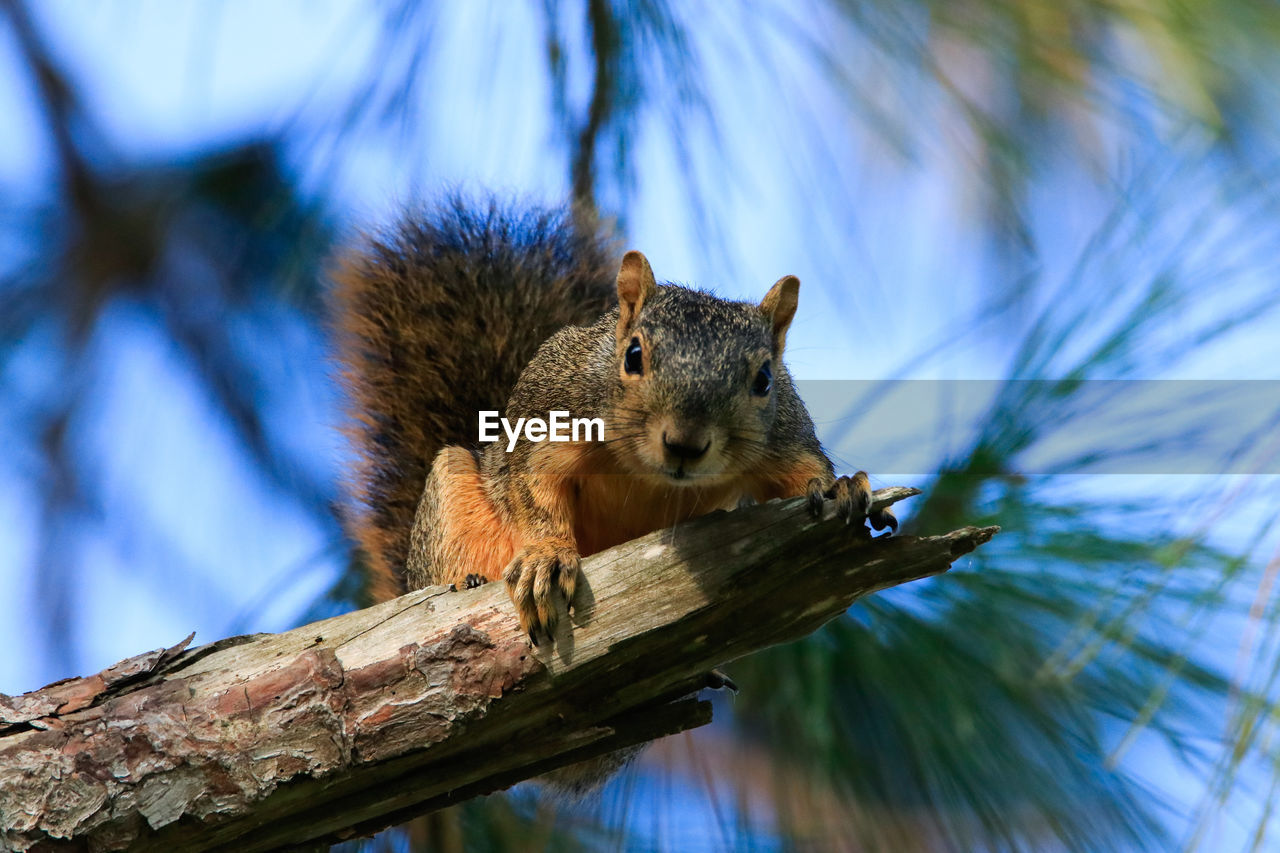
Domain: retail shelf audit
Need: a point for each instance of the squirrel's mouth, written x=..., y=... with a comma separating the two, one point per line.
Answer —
x=682, y=472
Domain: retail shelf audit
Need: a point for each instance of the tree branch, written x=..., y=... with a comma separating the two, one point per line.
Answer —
x=346, y=726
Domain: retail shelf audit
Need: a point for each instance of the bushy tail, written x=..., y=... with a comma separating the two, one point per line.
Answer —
x=436, y=317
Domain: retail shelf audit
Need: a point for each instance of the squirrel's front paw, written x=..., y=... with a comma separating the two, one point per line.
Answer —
x=532, y=577
x=853, y=502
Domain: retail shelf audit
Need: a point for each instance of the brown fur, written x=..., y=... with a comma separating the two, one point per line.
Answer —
x=455, y=311
x=436, y=317
x=467, y=535
x=788, y=480
x=557, y=502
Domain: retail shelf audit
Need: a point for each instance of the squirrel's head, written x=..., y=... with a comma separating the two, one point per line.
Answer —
x=697, y=376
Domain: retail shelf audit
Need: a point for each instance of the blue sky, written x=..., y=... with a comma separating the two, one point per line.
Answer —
x=906, y=264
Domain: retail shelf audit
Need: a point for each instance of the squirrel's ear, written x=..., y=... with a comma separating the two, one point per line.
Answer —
x=779, y=305
x=635, y=285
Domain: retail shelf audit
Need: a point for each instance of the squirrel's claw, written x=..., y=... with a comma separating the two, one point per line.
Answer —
x=717, y=680
x=853, y=498
x=532, y=578
x=816, y=495
x=853, y=503
x=884, y=518
x=471, y=581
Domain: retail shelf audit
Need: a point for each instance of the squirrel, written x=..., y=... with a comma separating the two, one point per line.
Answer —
x=473, y=307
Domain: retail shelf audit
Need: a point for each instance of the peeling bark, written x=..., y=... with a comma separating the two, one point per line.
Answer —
x=349, y=725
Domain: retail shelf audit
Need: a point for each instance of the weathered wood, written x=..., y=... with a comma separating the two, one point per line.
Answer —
x=352, y=724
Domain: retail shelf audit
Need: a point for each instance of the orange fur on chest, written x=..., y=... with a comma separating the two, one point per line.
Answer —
x=614, y=508
x=601, y=503
x=609, y=505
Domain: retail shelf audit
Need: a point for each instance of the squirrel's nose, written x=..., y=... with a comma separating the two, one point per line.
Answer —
x=684, y=449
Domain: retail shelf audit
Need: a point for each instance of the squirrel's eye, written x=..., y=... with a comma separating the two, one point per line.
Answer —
x=633, y=362
x=763, y=382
